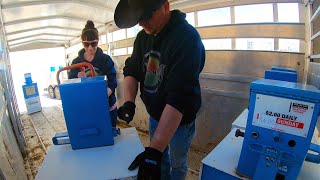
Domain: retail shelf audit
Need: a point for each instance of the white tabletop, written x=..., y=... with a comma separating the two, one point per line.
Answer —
x=107, y=162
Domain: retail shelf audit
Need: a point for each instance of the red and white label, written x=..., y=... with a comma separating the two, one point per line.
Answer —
x=293, y=124
x=299, y=110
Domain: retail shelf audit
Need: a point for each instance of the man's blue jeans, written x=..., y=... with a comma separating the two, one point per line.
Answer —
x=174, y=159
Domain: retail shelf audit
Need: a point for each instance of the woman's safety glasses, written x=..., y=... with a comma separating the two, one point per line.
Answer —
x=92, y=43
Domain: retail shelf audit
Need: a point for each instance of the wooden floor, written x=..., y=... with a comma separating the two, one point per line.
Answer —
x=39, y=128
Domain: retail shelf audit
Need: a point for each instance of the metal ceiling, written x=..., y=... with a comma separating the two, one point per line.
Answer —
x=50, y=23
x=35, y=24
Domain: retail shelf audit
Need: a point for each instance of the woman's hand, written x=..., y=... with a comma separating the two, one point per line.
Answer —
x=82, y=74
x=109, y=92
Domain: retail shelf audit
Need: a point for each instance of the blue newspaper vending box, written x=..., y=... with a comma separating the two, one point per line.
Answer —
x=86, y=111
x=31, y=95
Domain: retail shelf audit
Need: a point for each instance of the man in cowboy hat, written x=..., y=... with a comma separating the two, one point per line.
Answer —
x=167, y=58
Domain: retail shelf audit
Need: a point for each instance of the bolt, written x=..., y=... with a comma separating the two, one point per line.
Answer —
x=268, y=165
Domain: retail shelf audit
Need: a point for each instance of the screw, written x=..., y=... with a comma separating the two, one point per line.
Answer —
x=267, y=158
x=268, y=165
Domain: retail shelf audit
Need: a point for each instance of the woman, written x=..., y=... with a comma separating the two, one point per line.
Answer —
x=102, y=64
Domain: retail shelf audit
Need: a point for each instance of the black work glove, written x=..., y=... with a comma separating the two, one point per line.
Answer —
x=149, y=163
x=126, y=111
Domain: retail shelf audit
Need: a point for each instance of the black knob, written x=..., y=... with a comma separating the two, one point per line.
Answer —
x=292, y=143
x=239, y=133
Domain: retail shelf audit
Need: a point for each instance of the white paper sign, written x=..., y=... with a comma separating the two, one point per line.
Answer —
x=282, y=114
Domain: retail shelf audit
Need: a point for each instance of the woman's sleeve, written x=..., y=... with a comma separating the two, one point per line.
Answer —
x=111, y=74
x=73, y=73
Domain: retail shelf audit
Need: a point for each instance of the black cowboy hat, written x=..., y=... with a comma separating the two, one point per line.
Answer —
x=129, y=12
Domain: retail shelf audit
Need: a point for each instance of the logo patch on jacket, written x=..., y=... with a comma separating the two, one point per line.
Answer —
x=154, y=71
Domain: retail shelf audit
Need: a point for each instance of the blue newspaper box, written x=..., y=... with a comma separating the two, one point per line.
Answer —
x=31, y=95
x=86, y=111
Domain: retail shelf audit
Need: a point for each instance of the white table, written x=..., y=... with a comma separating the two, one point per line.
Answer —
x=108, y=162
